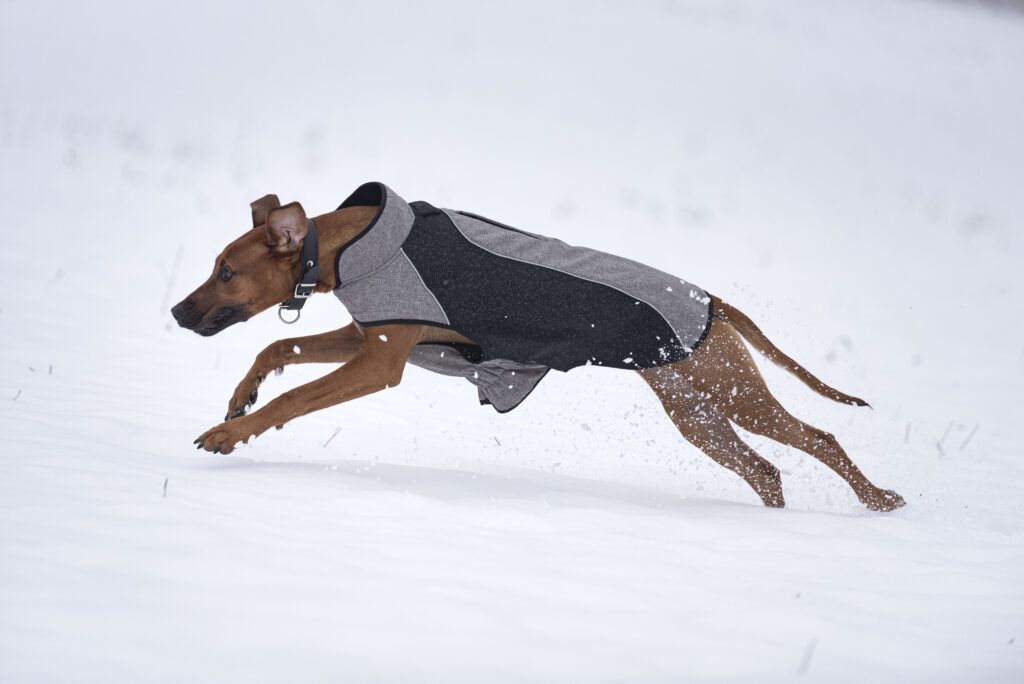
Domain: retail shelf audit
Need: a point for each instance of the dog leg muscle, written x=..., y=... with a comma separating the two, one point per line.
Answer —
x=704, y=427
x=337, y=346
x=724, y=370
x=377, y=365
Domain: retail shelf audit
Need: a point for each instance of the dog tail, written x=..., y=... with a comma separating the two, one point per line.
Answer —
x=759, y=341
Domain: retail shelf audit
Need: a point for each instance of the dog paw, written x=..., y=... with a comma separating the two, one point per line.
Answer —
x=884, y=501
x=245, y=397
x=225, y=437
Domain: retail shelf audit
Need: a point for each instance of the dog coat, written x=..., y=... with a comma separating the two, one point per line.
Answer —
x=529, y=302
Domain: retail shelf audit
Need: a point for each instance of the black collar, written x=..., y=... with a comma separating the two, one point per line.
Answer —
x=309, y=273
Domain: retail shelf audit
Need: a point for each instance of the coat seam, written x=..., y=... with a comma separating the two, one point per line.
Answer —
x=572, y=275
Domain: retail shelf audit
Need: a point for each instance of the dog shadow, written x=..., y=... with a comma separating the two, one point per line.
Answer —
x=545, y=488
x=516, y=485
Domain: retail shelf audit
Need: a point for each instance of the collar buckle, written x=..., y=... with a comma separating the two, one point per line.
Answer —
x=309, y=274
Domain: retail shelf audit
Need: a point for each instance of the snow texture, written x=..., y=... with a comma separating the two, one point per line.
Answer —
x=847, y=172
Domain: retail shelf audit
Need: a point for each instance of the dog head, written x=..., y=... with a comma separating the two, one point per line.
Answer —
x=252, y=274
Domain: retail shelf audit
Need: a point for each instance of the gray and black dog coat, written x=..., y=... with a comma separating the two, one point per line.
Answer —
x=529, y=302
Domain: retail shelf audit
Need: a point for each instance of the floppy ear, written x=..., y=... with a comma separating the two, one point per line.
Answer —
x=261, y=207
x=286, y=228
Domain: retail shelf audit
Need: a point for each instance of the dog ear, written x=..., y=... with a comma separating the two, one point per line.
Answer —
x=262, y=207
x=286, y=228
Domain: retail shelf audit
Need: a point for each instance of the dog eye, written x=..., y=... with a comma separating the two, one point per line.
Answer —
x=225, y=274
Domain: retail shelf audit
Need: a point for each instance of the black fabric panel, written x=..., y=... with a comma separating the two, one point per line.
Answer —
x=469, y=352
x=366, y=195
x=532, y=314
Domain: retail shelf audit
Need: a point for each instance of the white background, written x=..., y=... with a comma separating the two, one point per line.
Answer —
x=848, y=173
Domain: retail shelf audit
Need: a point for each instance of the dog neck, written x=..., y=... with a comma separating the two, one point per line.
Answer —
x=335, y=230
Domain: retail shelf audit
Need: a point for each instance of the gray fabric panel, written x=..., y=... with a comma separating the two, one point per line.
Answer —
x=503, y=383
x=407, y=297
x=377, y=245
x=684, y=306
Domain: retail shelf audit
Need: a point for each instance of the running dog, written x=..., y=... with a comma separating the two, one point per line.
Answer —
x=465, y=296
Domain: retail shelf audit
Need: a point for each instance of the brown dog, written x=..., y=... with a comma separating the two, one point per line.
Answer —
x=703, y=394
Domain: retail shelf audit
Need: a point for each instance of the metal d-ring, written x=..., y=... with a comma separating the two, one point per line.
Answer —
x=280, y=314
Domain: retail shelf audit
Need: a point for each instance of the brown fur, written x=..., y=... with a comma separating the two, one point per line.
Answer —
x=718, y=385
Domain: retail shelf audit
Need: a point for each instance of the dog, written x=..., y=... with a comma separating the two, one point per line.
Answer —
x=466, y=296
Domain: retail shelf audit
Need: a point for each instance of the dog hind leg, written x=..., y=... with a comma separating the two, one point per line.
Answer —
x=708, y=430
x=725, y=370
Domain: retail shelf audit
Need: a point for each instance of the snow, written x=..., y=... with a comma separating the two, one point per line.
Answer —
x=847, y=173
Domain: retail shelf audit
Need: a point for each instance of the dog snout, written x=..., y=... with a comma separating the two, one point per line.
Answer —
x=186, y=314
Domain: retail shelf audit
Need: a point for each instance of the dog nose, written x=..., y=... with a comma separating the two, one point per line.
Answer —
x=184, y=313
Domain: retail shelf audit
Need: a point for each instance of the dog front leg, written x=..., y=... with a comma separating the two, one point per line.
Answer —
x=337, y=346
x=377, y=365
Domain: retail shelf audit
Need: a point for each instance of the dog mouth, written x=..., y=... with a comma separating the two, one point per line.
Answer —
x=222, y=318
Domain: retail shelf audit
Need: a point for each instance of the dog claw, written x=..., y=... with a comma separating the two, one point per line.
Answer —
x=199, y=447
x=217, y=450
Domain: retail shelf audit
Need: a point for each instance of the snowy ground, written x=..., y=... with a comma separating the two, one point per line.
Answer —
x=849, y=173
